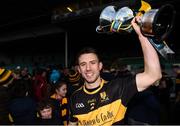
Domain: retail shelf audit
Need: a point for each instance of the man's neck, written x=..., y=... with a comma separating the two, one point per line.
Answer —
x=93, y=85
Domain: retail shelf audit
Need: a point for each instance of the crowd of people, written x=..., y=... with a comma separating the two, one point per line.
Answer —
x=42, y=97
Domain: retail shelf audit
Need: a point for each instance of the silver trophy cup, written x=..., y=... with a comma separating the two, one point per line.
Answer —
x=156, y=24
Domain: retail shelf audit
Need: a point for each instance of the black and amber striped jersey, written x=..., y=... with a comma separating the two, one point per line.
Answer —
x=104, y=106
x=61, y=108
x=6, y=76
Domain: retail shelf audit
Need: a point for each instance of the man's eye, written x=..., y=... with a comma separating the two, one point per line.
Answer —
x=83, y=64
x=93, y=62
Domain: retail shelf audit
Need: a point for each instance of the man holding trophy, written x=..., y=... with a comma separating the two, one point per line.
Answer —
x=99, y=102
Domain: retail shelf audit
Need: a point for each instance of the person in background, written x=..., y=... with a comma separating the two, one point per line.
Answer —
x=164, y=91
x=40, y=85
x=60, y=101
x=24, y=74
x=6, y=79
x=176, y=110
x=55, y=75
x=122, y=71
x=106, y=74
x=22, y=106
x=46, y=114
x=74, y=81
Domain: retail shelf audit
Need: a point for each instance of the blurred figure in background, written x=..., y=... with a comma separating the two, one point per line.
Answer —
x=122, y=71
x=22, y=106
x=176, y=111
x=6, y=79
x=24, y=74
x=106, y=74
x=74, y=81
x=46, y=113
x=40, y=85
x=164, y=88
x=54, y=76
x=61, y=102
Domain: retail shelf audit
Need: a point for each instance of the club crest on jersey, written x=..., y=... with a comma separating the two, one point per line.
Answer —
x=104, y=97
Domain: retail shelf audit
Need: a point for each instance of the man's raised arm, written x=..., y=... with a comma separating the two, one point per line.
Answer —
x=152, y=69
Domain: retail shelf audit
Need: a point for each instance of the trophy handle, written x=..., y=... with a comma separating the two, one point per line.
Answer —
x=162, y=48
x=144, y=8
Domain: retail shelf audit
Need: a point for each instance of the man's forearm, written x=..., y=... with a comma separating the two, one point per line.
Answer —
x=152, y=70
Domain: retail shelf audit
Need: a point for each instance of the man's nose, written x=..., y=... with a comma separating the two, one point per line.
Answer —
x=88, y=67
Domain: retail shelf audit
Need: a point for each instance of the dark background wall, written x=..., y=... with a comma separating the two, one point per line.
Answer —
x=28, y=29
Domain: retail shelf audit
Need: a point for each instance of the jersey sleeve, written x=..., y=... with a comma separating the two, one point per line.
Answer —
x=127, y=88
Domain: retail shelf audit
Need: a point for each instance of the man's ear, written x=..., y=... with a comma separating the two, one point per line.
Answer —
x=100, y=65
x=78, y=69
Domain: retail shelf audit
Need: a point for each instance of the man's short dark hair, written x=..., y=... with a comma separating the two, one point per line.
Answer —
x=86, y=50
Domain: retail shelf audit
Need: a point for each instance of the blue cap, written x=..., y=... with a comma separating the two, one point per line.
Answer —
x=55, y=76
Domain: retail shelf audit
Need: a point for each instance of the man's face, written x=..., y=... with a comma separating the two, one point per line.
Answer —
x=89, y=67
x=46, y=113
